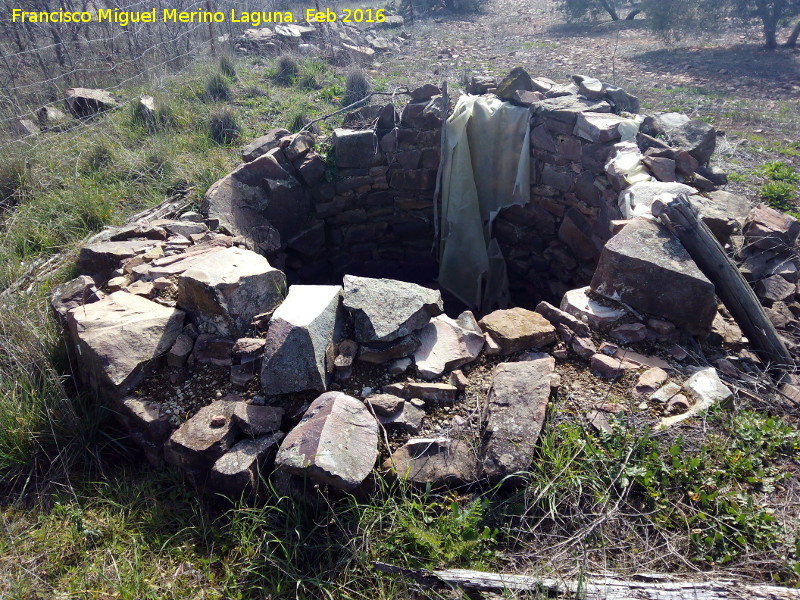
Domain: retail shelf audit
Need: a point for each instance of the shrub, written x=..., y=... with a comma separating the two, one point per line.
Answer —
x=286, y=70
x=356, y=87
x=227, y=67
x=163, y=117
x=217, y=88
x=254, y=91
x=223, y=126
x=427, y=6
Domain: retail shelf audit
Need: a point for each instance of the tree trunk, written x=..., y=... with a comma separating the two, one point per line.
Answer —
x=792, y=41
x=633, y=13
x=770, y=14
x=610, y=10
x=653, y=587
x=731, y=287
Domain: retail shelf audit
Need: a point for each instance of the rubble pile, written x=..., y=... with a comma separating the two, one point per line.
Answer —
x=337, y=41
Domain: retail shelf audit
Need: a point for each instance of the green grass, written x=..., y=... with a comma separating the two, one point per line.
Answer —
x=705, y=498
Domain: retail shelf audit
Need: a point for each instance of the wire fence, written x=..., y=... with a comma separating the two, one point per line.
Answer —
x=40, y=60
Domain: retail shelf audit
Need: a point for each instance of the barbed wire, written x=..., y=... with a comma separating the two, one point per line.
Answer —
x=93, y=54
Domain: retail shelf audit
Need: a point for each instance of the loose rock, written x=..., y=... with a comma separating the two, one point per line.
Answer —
x=336, y=443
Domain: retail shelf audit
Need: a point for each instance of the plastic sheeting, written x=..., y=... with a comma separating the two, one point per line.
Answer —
x=485, y=167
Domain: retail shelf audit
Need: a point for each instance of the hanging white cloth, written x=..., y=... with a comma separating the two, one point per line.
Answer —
x=485, y=167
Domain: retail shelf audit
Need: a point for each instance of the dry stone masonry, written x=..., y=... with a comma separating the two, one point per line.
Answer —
x=294, y=325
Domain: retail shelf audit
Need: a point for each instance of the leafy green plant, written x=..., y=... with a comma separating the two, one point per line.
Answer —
x=780, y=195
x=777, y=170
x=432, y=531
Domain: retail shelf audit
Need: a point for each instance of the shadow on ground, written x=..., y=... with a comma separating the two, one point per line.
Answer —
x=596, y=29
x=740, y=60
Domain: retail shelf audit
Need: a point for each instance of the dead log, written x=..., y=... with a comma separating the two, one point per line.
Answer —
x=645, y=587
x=731, y=287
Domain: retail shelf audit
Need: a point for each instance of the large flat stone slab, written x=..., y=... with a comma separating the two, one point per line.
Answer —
x=176, y=264
x=647, y=268
x=298, y=353
x=118, y=337
x=515, y=411
x=226, y=289
x=335, y=443
x=84, y=102
x=387, y=309
x=441, y=462
x=447, y=343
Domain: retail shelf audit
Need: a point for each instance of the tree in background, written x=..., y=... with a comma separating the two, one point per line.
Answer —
x=579, y=9
x=668, y=16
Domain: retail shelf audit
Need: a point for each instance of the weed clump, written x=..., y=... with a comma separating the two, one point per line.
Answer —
x=311, y=75
x=217, y=88
x=226, y=67
x=12, y=181
x=223, y=126
x=159, y=119
x=298, y=119
x=286, y=70
x=356, y=87
x=99, y=157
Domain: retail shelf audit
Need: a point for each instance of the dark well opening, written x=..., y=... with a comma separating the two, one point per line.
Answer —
x=362, y=203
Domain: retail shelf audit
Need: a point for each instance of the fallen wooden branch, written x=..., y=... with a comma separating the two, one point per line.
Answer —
x=403, y=91
x=651, y=587
x=731, y=287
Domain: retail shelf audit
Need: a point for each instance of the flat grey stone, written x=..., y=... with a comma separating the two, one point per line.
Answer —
x=441, y=462
x=199, y=442
x=387, y=309
x=515, y=411
x=238, y=471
